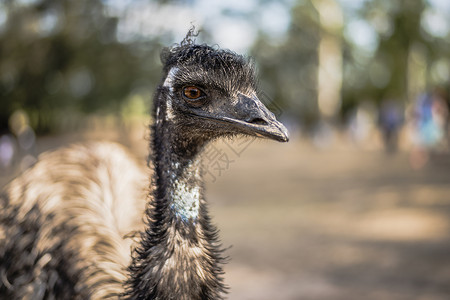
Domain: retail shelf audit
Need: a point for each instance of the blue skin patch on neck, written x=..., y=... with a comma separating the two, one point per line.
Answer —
x=186, y=200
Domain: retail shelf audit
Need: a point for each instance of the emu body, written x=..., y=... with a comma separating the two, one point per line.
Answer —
x=62, y=223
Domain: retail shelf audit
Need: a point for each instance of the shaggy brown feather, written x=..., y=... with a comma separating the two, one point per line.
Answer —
x=62, y=224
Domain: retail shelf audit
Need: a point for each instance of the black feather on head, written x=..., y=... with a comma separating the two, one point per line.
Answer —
x=223, y=67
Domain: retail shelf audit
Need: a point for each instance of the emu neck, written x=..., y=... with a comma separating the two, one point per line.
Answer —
x=177, y=162
x=178, y=178
x=179, y=256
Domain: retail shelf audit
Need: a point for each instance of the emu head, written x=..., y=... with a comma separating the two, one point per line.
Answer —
x=208, y=93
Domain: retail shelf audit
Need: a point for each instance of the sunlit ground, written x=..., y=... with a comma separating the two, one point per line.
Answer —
x=336, y=223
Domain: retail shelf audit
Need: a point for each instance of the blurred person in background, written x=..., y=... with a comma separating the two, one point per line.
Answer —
x=390, y=122
x=430, y=126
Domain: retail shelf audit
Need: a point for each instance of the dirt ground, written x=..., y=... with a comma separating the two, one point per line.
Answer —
x=334, y=224
x=340, y=223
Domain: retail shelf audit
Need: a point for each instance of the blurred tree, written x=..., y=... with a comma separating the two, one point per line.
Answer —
x=289, y=70
x=403, y=57
x=61, y=58
x=400, y=66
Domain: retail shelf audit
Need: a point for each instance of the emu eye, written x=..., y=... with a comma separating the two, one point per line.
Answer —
x=193, y=93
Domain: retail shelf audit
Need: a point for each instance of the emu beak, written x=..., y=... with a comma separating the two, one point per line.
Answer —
x=251, y=116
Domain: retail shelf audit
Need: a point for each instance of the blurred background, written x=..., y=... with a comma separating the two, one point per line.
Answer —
x=356, y=206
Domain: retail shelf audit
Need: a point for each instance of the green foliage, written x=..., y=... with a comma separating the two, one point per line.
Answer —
x=289, y=70
x=387, y=70
x=60, y=58
x=391, y=72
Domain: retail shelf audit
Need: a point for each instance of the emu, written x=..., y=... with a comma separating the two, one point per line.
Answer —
x=63, y=222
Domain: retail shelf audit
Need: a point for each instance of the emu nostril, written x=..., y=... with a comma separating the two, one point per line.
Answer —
x=258, y=121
